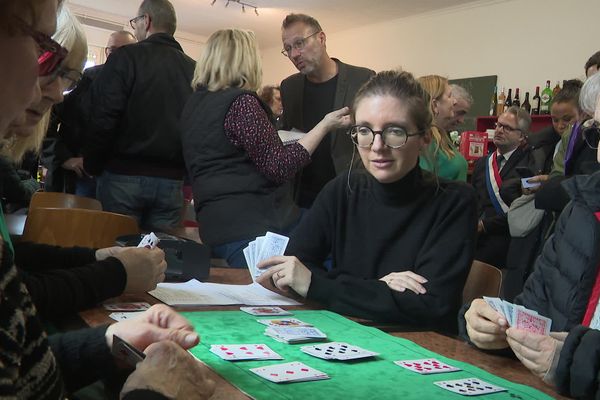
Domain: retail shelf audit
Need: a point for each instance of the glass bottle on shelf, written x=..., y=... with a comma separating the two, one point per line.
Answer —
x=546, y=99
x=556, y=89
x=535, y=102
x=526, y=105
x=494, y=102
x=501, y=100
x=516, y=100
x=508, y=101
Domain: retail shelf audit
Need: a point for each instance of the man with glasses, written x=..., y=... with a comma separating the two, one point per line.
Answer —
x=135, y=142
x=62, y=147
x=323, y=84
x=497, y=183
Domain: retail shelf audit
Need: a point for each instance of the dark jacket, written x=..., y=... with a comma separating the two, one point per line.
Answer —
x=66, y=134
x=350, y=79
x=233, y=200
x=542, y=145
x=136, y=105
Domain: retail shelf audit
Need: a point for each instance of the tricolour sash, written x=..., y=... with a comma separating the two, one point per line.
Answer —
x=493, y=183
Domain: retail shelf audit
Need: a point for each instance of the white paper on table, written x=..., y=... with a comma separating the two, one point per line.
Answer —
x=194, y=292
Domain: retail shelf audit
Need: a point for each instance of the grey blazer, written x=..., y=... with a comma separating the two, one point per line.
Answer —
x=350, y=79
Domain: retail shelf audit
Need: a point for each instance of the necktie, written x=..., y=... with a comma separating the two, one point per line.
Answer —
x=499, y=161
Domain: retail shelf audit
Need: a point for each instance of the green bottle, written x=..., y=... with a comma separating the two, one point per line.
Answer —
x=546, y=99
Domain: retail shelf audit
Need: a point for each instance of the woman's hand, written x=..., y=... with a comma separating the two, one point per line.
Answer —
x=485, y=326
x=400, y=281
x=286, y=272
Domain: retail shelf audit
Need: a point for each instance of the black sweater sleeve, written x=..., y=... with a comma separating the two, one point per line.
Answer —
x=42, y=257
x=578, y=371
x=443, y=256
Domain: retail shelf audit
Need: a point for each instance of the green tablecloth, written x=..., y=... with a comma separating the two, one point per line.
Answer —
x=377, y=378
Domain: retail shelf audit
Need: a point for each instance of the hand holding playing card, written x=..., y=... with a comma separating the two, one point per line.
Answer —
x=157, y=324
x=172, y=372
x=400, y=281
x=286, y=272
x=145, y=268
x=485, y=326
x=535, y=351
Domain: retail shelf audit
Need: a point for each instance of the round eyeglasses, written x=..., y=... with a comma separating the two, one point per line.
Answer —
x=393, y=136
x=298, y=44
x=591, y=134
x=70, y=78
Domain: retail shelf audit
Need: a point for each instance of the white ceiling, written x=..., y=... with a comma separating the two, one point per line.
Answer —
x=200, y=19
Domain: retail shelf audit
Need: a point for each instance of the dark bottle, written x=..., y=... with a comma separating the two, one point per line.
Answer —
x=535, y=102
x=526, y=105
x=516, y=101
x=508, y=102
x=494, y=103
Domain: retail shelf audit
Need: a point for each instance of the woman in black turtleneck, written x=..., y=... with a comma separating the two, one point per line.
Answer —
x=401, y=241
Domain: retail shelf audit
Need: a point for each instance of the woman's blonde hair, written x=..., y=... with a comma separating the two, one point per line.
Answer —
x=230, y=59
x=71, y=36
x=436, y=86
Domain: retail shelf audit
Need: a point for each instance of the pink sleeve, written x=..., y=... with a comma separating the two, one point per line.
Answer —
x=247, y=126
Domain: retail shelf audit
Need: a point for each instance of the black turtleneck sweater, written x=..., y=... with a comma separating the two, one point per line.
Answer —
x=372, y=229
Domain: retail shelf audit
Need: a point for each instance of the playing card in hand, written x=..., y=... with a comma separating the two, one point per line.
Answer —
x=150, y=241
x=272, y=244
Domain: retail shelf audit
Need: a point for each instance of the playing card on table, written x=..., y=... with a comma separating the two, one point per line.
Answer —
x=135, y=306
x=295, y=334
x=283, y=322
x=469, y=386
x=237, y=352
x=528, y=320
x=338, y=351
x=289, y=372
x=265, y=311
x=427, y=366
x=150, y=241
x=126, y=352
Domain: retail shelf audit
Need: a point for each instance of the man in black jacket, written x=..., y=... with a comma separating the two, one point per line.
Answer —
x=493, y=173
x=65, y=138
x=323, y=84
x=135, y=145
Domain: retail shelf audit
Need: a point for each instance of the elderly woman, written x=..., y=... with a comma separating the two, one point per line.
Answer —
x=33, y=365
x=236, y=162
x=441, y=157
x=401, y=241
x=564, y=286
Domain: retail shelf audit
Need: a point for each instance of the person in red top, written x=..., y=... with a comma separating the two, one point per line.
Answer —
x=565, y=286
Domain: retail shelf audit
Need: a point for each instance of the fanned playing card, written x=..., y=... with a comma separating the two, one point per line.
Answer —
x=289, y=372
x=426, y=366
x=126, y=352
x=238, y=352
x=469, y=386
x=338, y=351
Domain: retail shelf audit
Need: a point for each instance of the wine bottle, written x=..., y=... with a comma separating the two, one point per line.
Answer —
x=516, y=100
x=501, y=100
x=494, y=102
x=508, y=101
x=535, y=103
x=556, y=89
x=526, y=105
x=546, y=99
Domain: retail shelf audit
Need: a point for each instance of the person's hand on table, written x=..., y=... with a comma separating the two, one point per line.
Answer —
x=145, y=268
x=485, y=326
x=158, y=323
x=286, y=272
x=400, y=281
x=171, y=371
x=537, y=352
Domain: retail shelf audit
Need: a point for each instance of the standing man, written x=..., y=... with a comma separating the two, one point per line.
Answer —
x=322, y=85
x=497, y=183
x=62, y=148
x=135, y=145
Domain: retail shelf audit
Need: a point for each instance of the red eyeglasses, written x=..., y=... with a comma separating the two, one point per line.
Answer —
x=51, y=54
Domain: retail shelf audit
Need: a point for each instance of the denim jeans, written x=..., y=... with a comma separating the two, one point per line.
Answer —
x=154, y=202
x=232, y=252
x=86, y=187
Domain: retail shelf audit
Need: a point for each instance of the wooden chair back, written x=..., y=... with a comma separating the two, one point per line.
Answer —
x=77, y=227
x=483, y=280
x=63, y=200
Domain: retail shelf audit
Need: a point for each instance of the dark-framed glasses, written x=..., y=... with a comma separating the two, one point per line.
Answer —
x=70, y=78
x=297, y=44
x=506, y=128
x=591, y=133
x=392, y=136
x=50, y=53
x=132, y=21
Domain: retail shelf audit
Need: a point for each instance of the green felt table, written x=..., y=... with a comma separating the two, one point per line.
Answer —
x=376, y=378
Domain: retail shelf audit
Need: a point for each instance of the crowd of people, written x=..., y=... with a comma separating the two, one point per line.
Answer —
x=374, y=197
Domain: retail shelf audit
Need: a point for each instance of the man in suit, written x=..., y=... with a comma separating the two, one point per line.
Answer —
x=134, y=146
x=323, y=84
x=497, y=183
